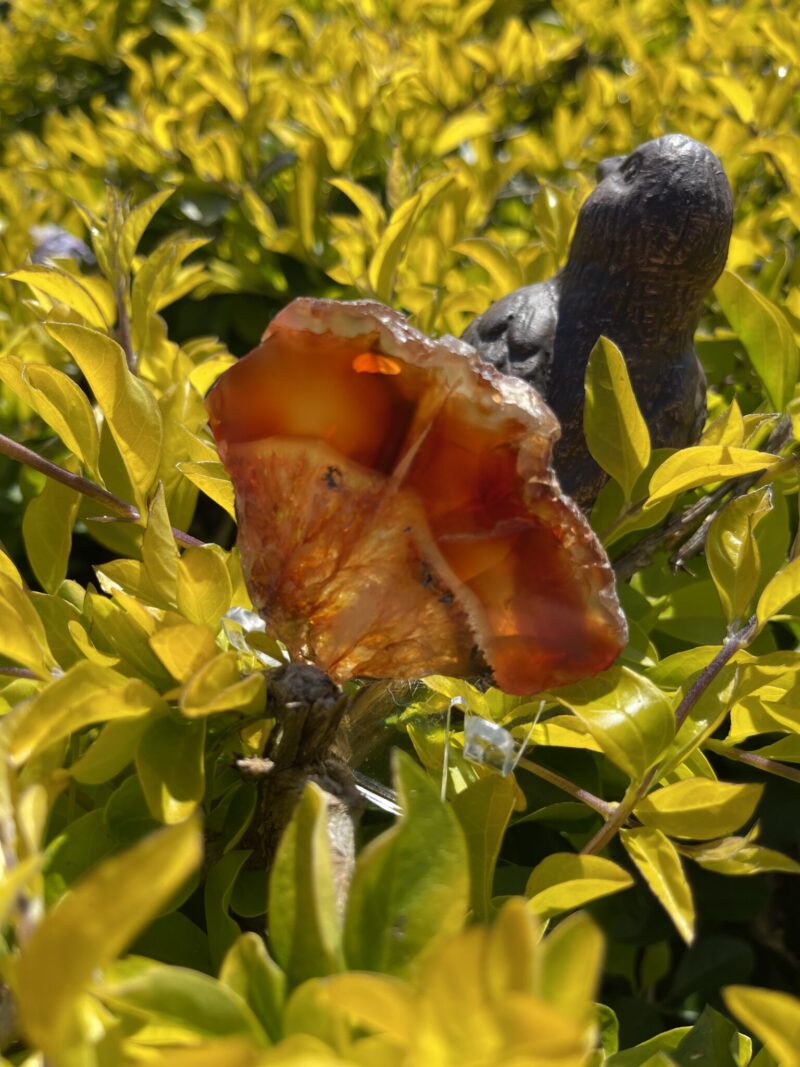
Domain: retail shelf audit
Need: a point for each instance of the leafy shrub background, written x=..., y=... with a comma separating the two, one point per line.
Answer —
x=432, y=155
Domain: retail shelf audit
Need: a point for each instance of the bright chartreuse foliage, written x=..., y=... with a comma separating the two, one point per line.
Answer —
x=171, y=173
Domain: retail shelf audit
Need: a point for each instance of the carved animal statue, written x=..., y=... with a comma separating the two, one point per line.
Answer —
x=650, y=241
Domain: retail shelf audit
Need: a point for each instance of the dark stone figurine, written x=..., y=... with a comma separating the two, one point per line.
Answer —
x=649, y=244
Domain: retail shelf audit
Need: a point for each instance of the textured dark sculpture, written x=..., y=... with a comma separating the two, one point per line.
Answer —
x=650, y=242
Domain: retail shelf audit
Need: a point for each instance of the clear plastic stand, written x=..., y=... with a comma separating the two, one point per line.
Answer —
x=490, y=745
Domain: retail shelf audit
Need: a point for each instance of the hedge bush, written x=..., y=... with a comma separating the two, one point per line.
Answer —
x=172, y=173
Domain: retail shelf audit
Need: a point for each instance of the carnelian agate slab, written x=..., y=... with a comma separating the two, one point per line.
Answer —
x=398, y=511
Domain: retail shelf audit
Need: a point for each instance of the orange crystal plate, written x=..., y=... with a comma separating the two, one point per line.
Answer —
x=398, y=511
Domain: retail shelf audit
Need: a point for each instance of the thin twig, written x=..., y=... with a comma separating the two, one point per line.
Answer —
x=693, y=545
x=575, y=791
x=685, y=524
x=619, y=816
x=667, y=536
x=19, y=672
x=124, y=325
x=763, y=763
x=18, y=452
x=737, y=641
x=696, y=544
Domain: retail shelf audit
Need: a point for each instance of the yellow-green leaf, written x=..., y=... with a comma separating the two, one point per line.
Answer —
x=782, y=147
x=304, y=927
x=129, y=406
x=653, y=1052
x=204, y=586
x=727, y=429
x=765, y=334
x=62, y=288
x=394, y=239
x=738, y=856
x=461, y=128
x=785, y=586
x=212, y=479
x=184, y=649
x=377, y=1001
x=702, y=464
x=47, y=532
x=628, y=716
x=252, y=973
x=660, y=866
x=91, y=926
x=497, y=261
x=699, y=808
x=111, y=751
x=151, y=287
x=259, y=215
x=564, y=731
x=304, y=204
x=616, y=434
x=181, y=1005
x=22, y=635
x=136, y=222
x=732, y=551
x=565, y=880
x=413, y=877
x=219, y=686
x=512, y=961
x=737, y=96
x=159, y=553
x=367, y=203
x=570, y=965
x=484, y=809
x=242, y=1052
x=458, y=689
x=170, y=761
x=59, y=402
x=773, y=1017
x=226, y=91
x=87, y=693
x=8, y=569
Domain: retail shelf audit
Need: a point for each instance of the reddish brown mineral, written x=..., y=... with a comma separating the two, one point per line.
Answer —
x=398, y=513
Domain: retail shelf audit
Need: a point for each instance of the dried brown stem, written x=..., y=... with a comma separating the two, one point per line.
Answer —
x=18, y=452
x=583, y=795
x=308, y=710
x=738, y=640
x=18, y=672
x=752, y=759
x=683, y=527
x=619, y=816
x=781, y=435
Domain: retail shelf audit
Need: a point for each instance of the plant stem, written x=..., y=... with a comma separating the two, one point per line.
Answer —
x=738, y=640
x=619, y=816
x=18, y=672
x=124, y=324
x=685, y=524
x=21, y=454
x=735, y=643
x=667, y=536
x=752, y=759
x=583, y=795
